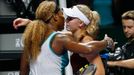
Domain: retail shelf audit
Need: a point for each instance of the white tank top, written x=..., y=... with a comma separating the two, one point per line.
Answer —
x=48, y=62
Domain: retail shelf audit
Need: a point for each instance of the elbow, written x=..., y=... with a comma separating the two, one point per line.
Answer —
x=94, y=49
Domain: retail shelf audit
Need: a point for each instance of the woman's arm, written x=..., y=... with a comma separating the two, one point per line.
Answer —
x=24, y=65
x=64, y=41
x=95, y=59
x=20, y=22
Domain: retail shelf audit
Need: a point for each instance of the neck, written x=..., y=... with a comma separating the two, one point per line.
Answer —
x=78, y=35
x=48, y=32
x=52, y=26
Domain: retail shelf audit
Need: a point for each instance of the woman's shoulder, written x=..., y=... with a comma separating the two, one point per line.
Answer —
x=64, y=34
x=62, y=37
x=87, y=38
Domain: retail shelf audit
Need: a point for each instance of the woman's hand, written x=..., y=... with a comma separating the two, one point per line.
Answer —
x=110, y=42
x=20, y=22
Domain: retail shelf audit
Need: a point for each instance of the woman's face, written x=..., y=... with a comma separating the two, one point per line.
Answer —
x=60, y=20
x=72, y=24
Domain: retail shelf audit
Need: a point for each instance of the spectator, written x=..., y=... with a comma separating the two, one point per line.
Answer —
x=127, y=62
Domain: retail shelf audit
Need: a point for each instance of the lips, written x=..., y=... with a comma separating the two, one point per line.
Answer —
x=67, y=27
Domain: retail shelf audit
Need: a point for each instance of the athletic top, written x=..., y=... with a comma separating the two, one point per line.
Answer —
x=48, y=62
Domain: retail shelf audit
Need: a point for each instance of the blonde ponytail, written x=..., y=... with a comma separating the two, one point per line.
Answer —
x=93, y=27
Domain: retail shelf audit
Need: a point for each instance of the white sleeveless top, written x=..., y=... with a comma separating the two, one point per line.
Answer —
x=48, y=62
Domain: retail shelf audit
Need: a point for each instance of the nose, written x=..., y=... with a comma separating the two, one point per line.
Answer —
x=67, y=22
x=125, y=29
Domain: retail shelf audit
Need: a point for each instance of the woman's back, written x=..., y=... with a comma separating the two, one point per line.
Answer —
x=48, y=62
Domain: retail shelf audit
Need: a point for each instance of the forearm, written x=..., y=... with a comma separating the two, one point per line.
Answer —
x=129, y=63
x=85, y=48
x=20, y=22
x=97, y=46
x=27, y=21
x=24, y=66
x=99, y=64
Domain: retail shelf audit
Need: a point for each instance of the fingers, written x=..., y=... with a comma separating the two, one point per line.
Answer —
x=110, y=42
x=20, y=22
x=106, y=35
x=16, y=23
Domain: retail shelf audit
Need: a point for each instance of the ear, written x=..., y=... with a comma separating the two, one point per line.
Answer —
x=82, y=25
x=55, y=17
